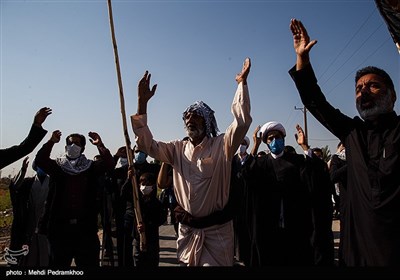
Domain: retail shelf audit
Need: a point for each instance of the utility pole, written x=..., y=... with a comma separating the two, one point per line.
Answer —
x=304, y=110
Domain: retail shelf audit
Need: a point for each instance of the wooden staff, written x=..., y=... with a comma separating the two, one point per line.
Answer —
x=136, y=205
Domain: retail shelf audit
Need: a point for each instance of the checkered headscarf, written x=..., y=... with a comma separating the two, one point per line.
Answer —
x=202, y=109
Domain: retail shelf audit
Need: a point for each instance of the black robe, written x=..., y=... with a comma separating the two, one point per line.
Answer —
x=281, y=183
x=338, y=174
x=243, y=209
x=20, y=204
x=372, y=219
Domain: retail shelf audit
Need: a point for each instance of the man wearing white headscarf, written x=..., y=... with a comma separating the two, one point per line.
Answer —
x=282, y=185
x=201, y=172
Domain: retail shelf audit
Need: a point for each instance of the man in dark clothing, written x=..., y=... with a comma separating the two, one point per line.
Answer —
x=338, y=174
x=28, y=195
x=283, y=202
x=372, y=217
x=71, y=211
x=141, y=166
x=243, y=211
x=153, y=216
x=118, y=178
x=320, y=187
x=36, y=134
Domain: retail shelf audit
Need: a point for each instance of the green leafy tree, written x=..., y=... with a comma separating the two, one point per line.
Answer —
x=326, y=153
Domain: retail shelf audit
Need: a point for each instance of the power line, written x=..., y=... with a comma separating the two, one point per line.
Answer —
x=355, y=51
x=348, y=43
x=356, y=68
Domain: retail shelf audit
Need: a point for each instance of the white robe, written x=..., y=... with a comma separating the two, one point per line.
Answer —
x=202, y=181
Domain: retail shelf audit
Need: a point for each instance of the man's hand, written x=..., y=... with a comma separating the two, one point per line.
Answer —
x=144, y=93
x=41, y=116
x=55, y=136
x=257, y=140
x=301, y=138
x=95, y=139
x=25, y=163
x=257, y=136
x=242, y=76
x=301, y=42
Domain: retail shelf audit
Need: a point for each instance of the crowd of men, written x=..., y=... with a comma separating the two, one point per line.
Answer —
x=230, y=204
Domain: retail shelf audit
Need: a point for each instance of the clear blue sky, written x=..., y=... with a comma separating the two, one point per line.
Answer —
x=59, y=54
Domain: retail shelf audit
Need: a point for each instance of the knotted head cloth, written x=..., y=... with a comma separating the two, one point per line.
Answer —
x=269, y=126
x=202, y=109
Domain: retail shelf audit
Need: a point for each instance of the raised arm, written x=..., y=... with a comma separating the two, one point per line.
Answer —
x=301, y=43
x=41, y=116
x=108, y=159
x=144, y=93
x=95, y=139
x=301, y=138
x=36, y=134
x=240, y=109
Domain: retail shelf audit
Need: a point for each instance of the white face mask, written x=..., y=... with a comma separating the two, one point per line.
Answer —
x=73, y=151
x=242, y=149
x=146, y=190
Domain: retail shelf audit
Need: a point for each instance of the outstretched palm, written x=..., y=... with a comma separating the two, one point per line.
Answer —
x=301, y=41
x=242, y=76
x=144, y=91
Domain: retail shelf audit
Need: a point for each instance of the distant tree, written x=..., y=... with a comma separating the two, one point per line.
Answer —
x=326, y=153
x=5, y=182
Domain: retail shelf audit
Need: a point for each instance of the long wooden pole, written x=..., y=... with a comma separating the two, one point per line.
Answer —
x=136, y=205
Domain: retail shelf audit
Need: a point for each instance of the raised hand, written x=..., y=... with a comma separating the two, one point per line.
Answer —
x=301, y=42
x=41, y=116
x=56, y=136
x=301, y=138
x=257, y=136
x=257, y=140
x=242, y=76
x=95, y=138
x=144, y=93
x=25, y=163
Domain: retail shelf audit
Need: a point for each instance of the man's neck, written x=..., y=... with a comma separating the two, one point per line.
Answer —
x=196, y=141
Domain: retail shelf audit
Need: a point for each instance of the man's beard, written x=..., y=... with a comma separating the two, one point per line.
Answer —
x=194, y=132
x=382, y=105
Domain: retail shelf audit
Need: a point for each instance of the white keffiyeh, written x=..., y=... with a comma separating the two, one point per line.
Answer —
x=74, y=166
